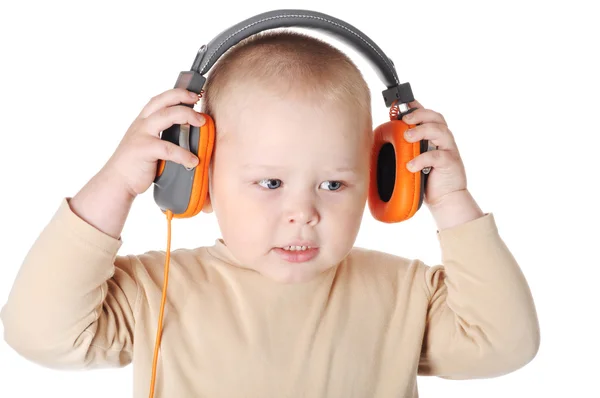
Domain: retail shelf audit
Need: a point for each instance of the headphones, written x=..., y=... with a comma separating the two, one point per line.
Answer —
x=395, y=193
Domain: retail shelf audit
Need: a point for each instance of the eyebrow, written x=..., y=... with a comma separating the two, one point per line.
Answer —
x=249, y=166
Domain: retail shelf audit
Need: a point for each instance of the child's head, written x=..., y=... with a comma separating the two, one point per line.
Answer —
x=292, y=151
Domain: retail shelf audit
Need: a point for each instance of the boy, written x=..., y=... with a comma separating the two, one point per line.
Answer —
x=283, y=305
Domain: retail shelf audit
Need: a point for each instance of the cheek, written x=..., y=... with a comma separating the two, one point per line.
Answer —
x=345, y=212
x=244, y=208
x=347, y=200
x=243, y=225
x=353, y=201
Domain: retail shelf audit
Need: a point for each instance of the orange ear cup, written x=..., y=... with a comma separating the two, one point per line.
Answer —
x=200, y=183
x=394, y=191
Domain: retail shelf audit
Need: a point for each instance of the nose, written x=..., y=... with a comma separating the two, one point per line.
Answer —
x=303, y=213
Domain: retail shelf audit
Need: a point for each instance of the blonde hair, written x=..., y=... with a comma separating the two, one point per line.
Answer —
x=285, y=60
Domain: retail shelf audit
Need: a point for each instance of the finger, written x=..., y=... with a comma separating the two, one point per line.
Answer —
x=415, y=104
x=166, y=117
x=166, y=150
x=174, y=96
x=437, y=134
x=436, y=159
x=422, y=115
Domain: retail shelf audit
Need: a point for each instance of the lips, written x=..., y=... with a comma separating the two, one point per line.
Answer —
x=297, y=256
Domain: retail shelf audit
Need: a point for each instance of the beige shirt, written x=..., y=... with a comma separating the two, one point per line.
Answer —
x=365, y=328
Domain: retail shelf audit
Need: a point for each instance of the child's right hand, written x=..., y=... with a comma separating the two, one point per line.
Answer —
x=135, y=160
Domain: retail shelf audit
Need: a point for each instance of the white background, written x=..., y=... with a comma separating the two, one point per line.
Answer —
x=517, y=82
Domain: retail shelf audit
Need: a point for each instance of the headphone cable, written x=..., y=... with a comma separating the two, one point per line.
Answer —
x=162, y=304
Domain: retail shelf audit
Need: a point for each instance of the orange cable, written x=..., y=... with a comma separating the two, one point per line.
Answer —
x=162, y=304
x=164, y=297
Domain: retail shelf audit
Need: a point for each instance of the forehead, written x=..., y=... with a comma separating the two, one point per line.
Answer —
x=267, y=125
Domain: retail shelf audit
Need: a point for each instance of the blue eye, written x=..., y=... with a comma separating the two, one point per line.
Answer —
x=272, y=183
x=333, y=185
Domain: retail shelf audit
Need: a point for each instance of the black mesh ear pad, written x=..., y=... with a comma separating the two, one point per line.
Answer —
x=386, y=172
x=395, y=193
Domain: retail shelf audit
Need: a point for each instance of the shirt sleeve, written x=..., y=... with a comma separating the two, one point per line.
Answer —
x=481, y=320
x=73, y=302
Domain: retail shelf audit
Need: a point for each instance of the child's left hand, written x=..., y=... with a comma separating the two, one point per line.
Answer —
x=447, y=173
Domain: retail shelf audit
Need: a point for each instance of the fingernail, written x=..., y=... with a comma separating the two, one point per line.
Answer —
x=193, y=95
x=408, y=134
x=408, y=117
x=410, y=165
x=193, y=163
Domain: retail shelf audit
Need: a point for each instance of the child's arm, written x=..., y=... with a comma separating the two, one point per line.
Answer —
x=74, y=301
x=482, y=320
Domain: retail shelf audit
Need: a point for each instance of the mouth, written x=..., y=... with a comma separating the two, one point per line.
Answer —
x=297, y=253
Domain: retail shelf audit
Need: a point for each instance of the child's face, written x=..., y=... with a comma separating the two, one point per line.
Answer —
x=278, y=165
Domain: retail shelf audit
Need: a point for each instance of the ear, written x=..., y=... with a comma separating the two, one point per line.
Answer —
x=207, y=206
